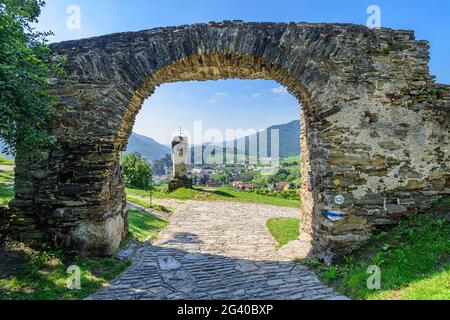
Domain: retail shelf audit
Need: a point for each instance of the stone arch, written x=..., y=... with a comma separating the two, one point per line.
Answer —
x=374, y=129
x=211, y=66
x=220, y=66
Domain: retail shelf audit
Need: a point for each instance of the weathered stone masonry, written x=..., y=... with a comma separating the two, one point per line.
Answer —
x=375, y=126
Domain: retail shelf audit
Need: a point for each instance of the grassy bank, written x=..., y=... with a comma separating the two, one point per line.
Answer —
x=143, y=225
x=217, y=194
x=145, y=202
x=414, y=261
x=7, y=162
x=26, y=274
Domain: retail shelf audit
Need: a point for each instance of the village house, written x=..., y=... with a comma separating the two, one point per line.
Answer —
x=282, y=186
x=246, y=186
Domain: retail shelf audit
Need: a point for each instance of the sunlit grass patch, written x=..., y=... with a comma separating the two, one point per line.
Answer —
x=7, y=162
x=6, y=177
x=143, y=225
x=434, y=287
x=284, y=230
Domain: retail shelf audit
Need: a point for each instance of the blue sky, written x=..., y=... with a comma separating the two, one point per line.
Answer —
x=248, y=104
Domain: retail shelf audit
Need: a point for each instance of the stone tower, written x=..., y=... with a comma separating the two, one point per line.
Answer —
x=180, y=149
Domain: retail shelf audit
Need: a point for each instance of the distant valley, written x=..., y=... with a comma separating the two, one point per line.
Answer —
x=147, y=147
x=289, y=135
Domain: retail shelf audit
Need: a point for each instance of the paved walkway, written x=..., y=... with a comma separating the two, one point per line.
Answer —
x=216, y=250
x=4, y=167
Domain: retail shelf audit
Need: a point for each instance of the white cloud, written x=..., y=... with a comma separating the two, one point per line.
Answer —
x=217, y=97
x=279, y=90
x=256, y=95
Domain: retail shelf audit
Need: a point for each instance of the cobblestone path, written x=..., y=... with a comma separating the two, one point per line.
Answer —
x=216, y=250
x=4, y=167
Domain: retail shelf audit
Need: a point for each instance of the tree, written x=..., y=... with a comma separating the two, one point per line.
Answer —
x=222, y=178
x=26, y=105
x=137, y=171
x=282, y=175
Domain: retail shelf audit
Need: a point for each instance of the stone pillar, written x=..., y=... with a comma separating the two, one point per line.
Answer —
x=180, y=149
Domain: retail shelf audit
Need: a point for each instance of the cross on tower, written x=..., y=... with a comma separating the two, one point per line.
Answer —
x=181, y=132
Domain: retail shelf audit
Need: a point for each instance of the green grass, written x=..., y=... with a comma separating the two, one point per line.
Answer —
x=218, y=194
x=284, y=230
x=6, y=176
x=43, y=276
x=7, y=162
x=6, y=187
x=143, y=225
x=435, y=287
x=414, y=260
x=145, y=202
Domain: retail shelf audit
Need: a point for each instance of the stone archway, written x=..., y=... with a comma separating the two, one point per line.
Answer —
x=374, y=126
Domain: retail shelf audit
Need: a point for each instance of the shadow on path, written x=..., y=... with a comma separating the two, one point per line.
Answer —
x=164, y=273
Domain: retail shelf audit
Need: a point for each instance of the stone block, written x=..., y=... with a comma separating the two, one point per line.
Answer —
x=415, y=185
x=396, y=209
x=99, y=238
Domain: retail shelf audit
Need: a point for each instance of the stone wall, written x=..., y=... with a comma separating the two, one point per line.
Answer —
x=374, y=134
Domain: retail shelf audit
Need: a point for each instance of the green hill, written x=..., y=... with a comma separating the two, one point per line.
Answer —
x=147, y=147
x=289, y=138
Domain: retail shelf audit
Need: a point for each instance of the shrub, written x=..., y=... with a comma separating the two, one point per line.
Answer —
x=137, y=171
x=25, y=67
